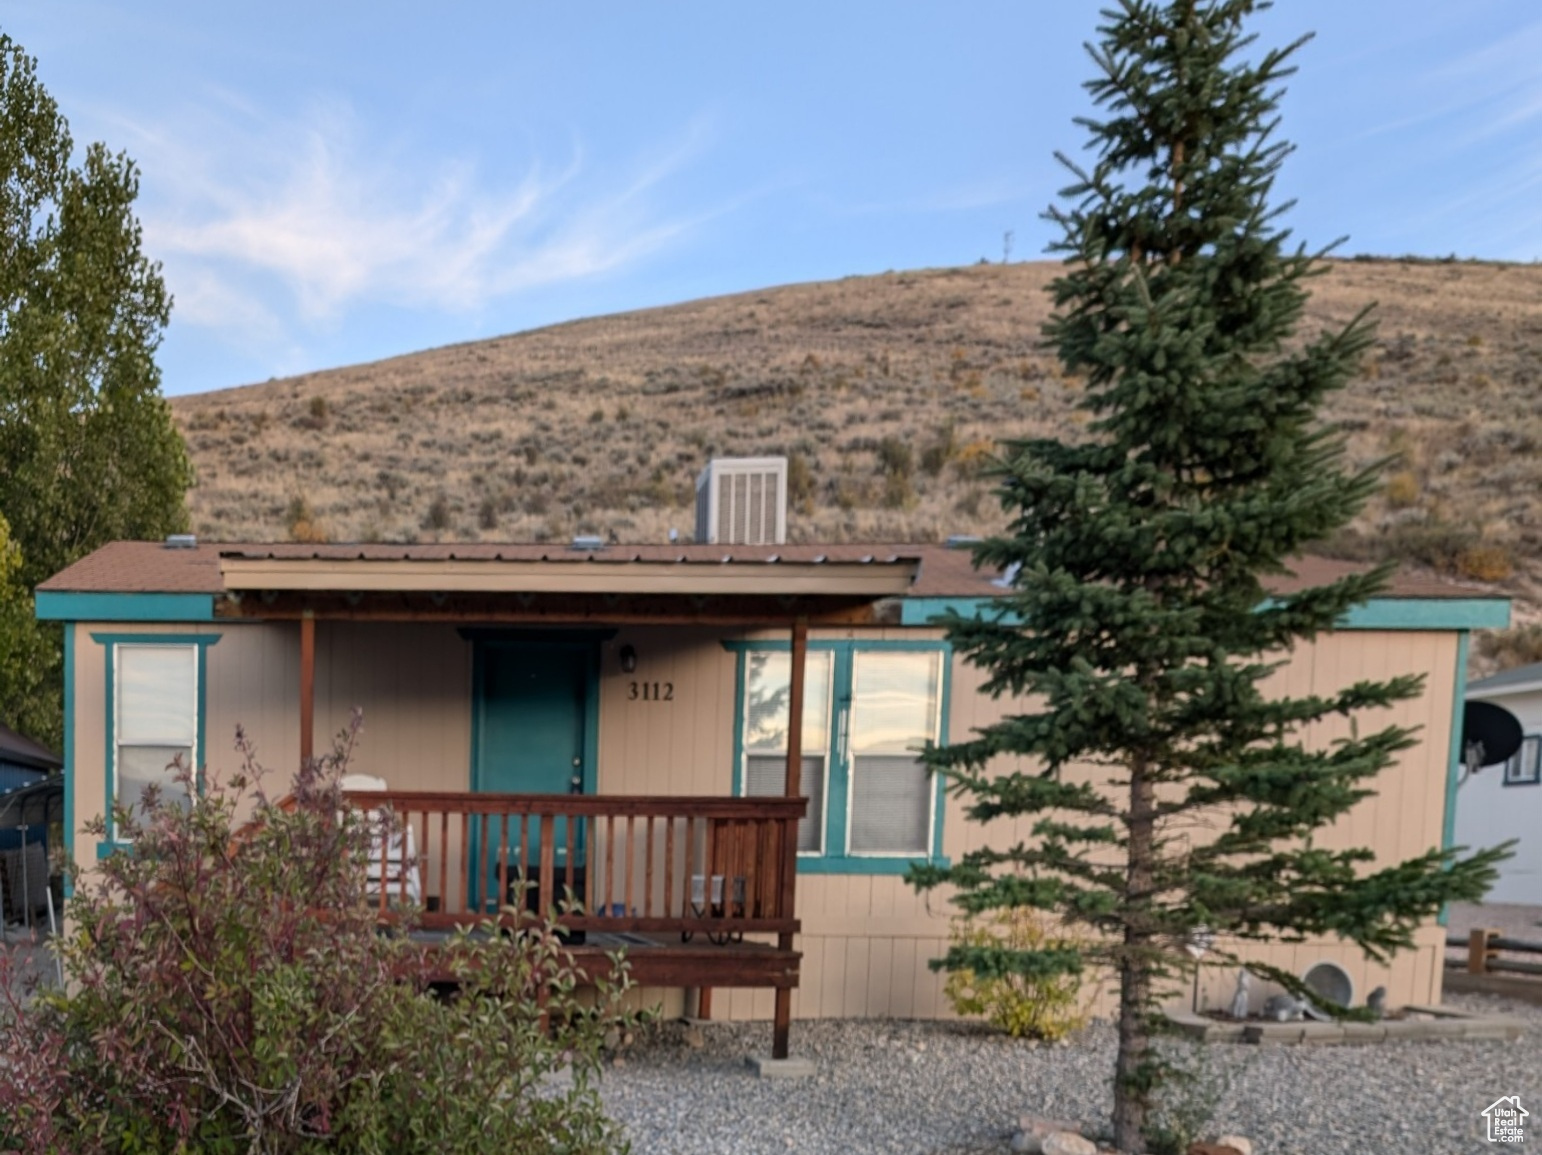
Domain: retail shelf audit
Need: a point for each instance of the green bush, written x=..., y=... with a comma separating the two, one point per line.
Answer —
x=229, y=989
x=1023, y=1004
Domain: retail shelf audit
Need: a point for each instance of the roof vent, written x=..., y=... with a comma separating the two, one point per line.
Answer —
x=181, y=541
x=742, y=501
x=588, y=541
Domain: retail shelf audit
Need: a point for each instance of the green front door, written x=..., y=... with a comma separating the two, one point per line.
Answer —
x=532, y=737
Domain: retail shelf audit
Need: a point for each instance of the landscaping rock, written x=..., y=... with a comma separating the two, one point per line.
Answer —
x=1239, y=1143
x=1067, y=1143
x=868, y=1098
x=1032, y=1130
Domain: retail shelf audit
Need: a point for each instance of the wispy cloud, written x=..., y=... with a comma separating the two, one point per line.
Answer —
x=271, y=227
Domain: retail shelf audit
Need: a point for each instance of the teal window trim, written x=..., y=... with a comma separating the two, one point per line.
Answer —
x=1454, y=754
x=740, y=646
x=68, y=606
x=1376, y=614
x=836, y=859
x=111, y=641
x=69, y=755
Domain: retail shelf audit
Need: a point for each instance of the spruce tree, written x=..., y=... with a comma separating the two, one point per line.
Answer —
x=1141, y=625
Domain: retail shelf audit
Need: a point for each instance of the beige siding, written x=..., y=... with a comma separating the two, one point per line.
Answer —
x=680, y=746
x=867, y=939
x=413, y=682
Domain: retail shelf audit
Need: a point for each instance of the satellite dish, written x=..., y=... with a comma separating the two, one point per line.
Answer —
x=1490, y=734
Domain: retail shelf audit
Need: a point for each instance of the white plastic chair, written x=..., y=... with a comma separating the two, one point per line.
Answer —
x=393, y=857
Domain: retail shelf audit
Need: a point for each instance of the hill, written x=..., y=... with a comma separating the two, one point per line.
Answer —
x=887, y=392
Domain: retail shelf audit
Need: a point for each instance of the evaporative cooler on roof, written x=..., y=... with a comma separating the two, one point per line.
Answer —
x=742, y=501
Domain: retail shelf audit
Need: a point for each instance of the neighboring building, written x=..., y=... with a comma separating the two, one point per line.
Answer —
x=1505, y=801
x=24, y=762
x=642, y=693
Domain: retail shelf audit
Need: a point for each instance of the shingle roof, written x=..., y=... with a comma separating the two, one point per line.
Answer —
x=151, y=567
x=18, y=748
x=1507, y=680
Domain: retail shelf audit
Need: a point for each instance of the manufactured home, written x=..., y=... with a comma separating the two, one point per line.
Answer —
x=1504, y=801
x=622, y=721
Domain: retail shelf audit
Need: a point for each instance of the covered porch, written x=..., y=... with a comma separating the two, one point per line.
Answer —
x=699, y=891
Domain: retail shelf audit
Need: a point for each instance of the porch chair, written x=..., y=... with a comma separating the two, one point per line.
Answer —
x=393, y=858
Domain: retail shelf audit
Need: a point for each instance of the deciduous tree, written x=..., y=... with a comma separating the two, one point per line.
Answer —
x=88, y=451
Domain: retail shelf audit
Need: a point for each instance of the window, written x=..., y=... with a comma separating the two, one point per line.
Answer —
x=1524, y=767
x=155, y=718
x=869, y=709
x=767, y=683
x=893, y=714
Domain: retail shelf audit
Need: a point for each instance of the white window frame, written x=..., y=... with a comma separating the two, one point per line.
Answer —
x=117, y=712
x=939, y=663
x=1521, y=770
x=831, y=714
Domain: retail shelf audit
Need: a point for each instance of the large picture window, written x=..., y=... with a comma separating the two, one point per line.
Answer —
x=869, y=709
x=155, y=718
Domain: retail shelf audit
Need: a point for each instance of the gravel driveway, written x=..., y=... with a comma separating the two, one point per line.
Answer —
x=919, y=1088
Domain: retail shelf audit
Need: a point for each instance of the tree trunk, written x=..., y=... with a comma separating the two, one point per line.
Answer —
x=1130, y=1096
x=1131, y=1079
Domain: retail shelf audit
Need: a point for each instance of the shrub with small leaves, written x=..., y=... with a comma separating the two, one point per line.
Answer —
x=304, y=525
x=438, y=517
x=1517, y=646
x=1032, y=1002
x=229, y=989
x=1402, y=489
x=1485, y=562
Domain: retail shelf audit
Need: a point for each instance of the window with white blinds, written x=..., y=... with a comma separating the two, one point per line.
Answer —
x=155, y=718
x=869, y=711
x=767, y=686
x=894, y=713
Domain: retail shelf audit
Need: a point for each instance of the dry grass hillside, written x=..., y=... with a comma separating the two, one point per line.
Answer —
x=886, y=392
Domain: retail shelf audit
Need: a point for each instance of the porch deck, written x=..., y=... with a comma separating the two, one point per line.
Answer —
x=675, y=882
x=665, y=961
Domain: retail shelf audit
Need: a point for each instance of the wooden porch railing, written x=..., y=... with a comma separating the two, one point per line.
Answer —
x=716, y=867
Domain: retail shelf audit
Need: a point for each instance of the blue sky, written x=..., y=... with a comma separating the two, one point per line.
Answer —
x=336, y=182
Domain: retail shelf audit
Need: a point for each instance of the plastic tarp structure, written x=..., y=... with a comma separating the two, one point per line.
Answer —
x=24, y=869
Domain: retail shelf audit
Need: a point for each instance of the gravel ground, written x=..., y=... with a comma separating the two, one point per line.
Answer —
x=922, y=1088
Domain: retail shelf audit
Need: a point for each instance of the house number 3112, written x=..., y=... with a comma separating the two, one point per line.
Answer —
x=651, y=692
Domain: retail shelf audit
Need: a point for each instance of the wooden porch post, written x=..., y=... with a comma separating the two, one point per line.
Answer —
x=794, y=789
x=307, y=686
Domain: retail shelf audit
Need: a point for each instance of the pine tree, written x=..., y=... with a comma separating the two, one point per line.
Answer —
x=1141, y=626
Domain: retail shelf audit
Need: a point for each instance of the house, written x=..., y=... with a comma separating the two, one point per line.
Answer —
x=1505, y=801
x=623, y=720
x=23, y=761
